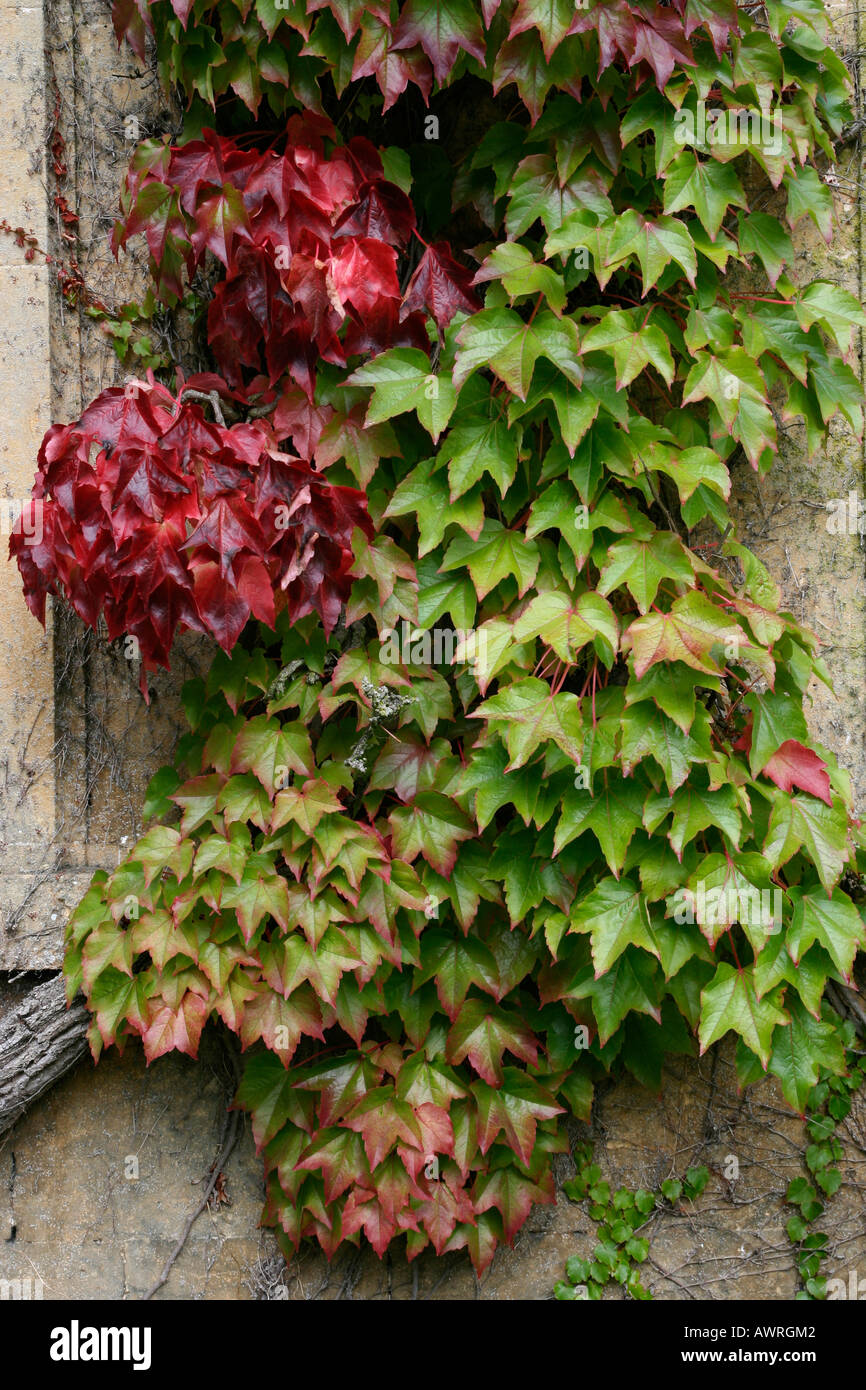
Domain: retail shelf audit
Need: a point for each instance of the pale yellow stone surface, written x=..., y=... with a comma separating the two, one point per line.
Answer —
x=26, y=650
x=75, y=1212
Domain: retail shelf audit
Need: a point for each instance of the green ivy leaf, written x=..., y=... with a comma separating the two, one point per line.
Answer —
x=729, y=1003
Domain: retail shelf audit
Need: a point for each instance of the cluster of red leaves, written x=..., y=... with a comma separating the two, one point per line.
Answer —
x=162, y=521
x=158, y=519
x=645, y=32
x=310, y=242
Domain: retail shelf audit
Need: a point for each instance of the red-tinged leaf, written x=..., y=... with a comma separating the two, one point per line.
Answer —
x=362, y=446
x=456, y=963
x=368, y=1216
x=115, y=1008
x=139, y=414
x=219, y=221
x=154, y=932
x=432, y=826
x=255, y=587
x=718, y=17
x=182, y=9
x=305, y=805
x=232, y=1000
x=440, y=1212
x=137, y=482
x=313, y=912
x=552, y=19
x=150, y=556
x=285, y=963
x=442, y=28
x=350, y=846
x=394, y=1186
x=107, y=947
x=437, y=1132
x=440, y=286
x=363, y=273
x=480, y=1239
x=521, y=60
x=383, y=562
x=687, y=633
x=270, y=750
x=269, y=1093
x=243, y=798
x=281, y=1023
x=513, y=1109
x=315, y=292
x=298, y=419
x=197, y=164
x=512, y=1194
x=409, y=766
x=217, y=962
x=482, y=1033
x=616, y=29
x=258, y=895
x=382, y=899
x=174, y=1029
x=383, y=1122
x=349, y=13
x=389, y=1056
x=376, y=57
x=659, y=42
x=131, y=20
x=463, y=1118
x=221, y=608
x=281, y=1156
x=330, y=1239
x=792, y=765
x=228, y=529
x=532, y=715
x=338, y=1154
x=156, y=213
x=339, y=1086
x=198, y=799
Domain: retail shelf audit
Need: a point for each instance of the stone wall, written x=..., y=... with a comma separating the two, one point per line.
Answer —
x=96, y=1181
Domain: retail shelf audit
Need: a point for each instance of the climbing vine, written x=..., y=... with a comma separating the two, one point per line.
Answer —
x=621, y=1248
x=502, y=779
x=828, y=1105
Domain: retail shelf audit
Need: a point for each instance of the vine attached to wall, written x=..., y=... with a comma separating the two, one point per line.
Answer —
x=620, y=1220
x=502, y=779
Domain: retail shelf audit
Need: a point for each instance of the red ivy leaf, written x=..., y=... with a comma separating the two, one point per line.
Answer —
x=792, y=765
x=441, y=286
x=441, y=28
x=382, y=212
